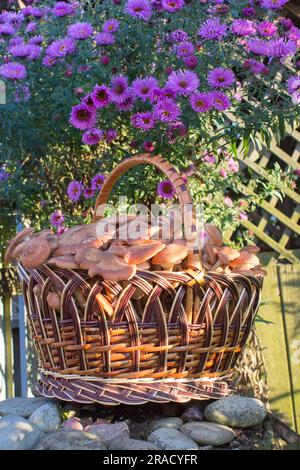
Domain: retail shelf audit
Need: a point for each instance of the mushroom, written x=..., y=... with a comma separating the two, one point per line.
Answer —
x=70, y=241
x=88, y=256
x=246, y=260
x=112, y=268
x=54, y=300
x=214, y=234
x=26, y=232
x=145, y=266
x=118, y=249
x=227, y=254
x=35, y=253
x=211, y=253
x=251, y=249
x=64, y=262
x=172, y=254
x=139, y=254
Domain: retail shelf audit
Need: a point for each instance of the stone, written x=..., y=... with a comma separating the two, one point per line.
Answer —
x=47, y=417
x=16, y=433
x=208, y=433
x=171, y=422
x=193, y=413
x=70, y=440
x=109, y=432
x=236, y=411
x=21, y=406
x=171, y=439
x=131, y=444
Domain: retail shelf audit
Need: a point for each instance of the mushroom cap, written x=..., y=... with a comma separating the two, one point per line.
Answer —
x=172, y=254
x=211, y=253
x=227, y=254
x=251, y=249
x=53, y=300
x=112, y=268
x=140, y=253
x=86, y=256
x=12, y=244
x=64, y=262
x=145, y=266
x=246, y=259
x=35, y=253
x=214, y=234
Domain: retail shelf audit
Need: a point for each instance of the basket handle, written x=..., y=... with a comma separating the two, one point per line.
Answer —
x=184, y=197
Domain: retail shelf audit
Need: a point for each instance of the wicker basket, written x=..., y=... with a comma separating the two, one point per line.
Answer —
x=193, y=326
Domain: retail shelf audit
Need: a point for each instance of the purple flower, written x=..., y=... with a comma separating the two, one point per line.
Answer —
x=4, y=175
x=248, y=12
x=201, y=102
x=243, y=27
x=266, y=28
x=286, y=23
x=13, y=71
x=22, y=93
x=110, y=26
x=98, y=181
x=273, y=4
x=104, y=39
x=82, y=117
x=220, y=101
x=74, y=190
x=184, y=49
x=165, y=189
x=144, y=87
x=61, y=47
x=144, y=121
x=243, y=215
x=228, y=201
x=32, y=26
x=111, y=135
x=100, y=96
x=233, y=166
x=148, y=146
x=220, y=78
x=179, y=36
x=36, y=39
x=293, y=84
x=172, y=5
x=88, y=101
x=7, y=29
x=258, y=46
x=49, y=61
x=191, y=61
x=119, y=91
x=139, y=9
x=209, y=158
x=88, y=193
x=12, y=17
x=63, y=9
x=127, y=104
x=255, y=66
x=212, y=29
x=166, y=110
x=183, y=82
x=80, y=30
x=20, y=50
x=57, y=218
x=279, y=48
x=33, y=11
x=92, y=136
x=223, y=173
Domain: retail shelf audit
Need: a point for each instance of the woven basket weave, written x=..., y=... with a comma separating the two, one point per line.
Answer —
x=177, y=342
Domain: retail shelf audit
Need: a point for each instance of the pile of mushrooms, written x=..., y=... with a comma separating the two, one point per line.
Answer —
x=117, y=253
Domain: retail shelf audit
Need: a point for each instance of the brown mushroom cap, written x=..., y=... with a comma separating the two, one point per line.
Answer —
x=112, y=268
x=53, y=300
x=145, y=266
x=246, y=260
x=139, y=254
x=172, y=254
x=87, y=256
x=251, y=249
x=26, y=232
x=227, y=254
x=35, y=253
x=214, y=234
x=64, y=262
x=211, y=253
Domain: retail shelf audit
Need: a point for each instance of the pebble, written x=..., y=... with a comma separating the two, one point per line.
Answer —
x=21, y=406
x=47, y=417
x=70, y=440
x=171, y=439
x=208, y=433
x=173, y=423
x=109, y=432
x=16, y=433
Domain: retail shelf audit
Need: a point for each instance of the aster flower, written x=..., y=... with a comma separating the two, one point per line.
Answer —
x=13, y=71
x=127, y=104
x=179, y=35
x=111, y=135
x=279, y=48
x=49, y=61
x=258, y=46
x=61, y=47
x=233, y=166
x=177, y=129
x=80, y=30
x=201, y=102
x=100, y=96
x=209, y=158
x=82, y=117
x=220, y=101
x=74, y=190
x=294, y=34
x=4, y=175
x=144, y=87
x=255, y=66
x=172, y=5
x=293, y=84
x=248, y=12
x=88, y=193
x=183, y=82
x=110, y=26
x=98, y=181
x=266, y=28
x=166, y=110
x=11, y=17
x=57, y=218
x=104, y=39
x=33, y=11
x=63, y=9
x=223, y=173
x=36, y=39
x=220, y=78
x=148, y=146
x=184, y=49
x=32, y=26
x=20, y=50
x=7, y=29
x=92, y=136
x=242, y=27
x=144, y=121
x=119, y=90
x=165, y=189
x=139, y=9
x=191, y=61
x=212, y=29
x=243, y=215
x=273, y=4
